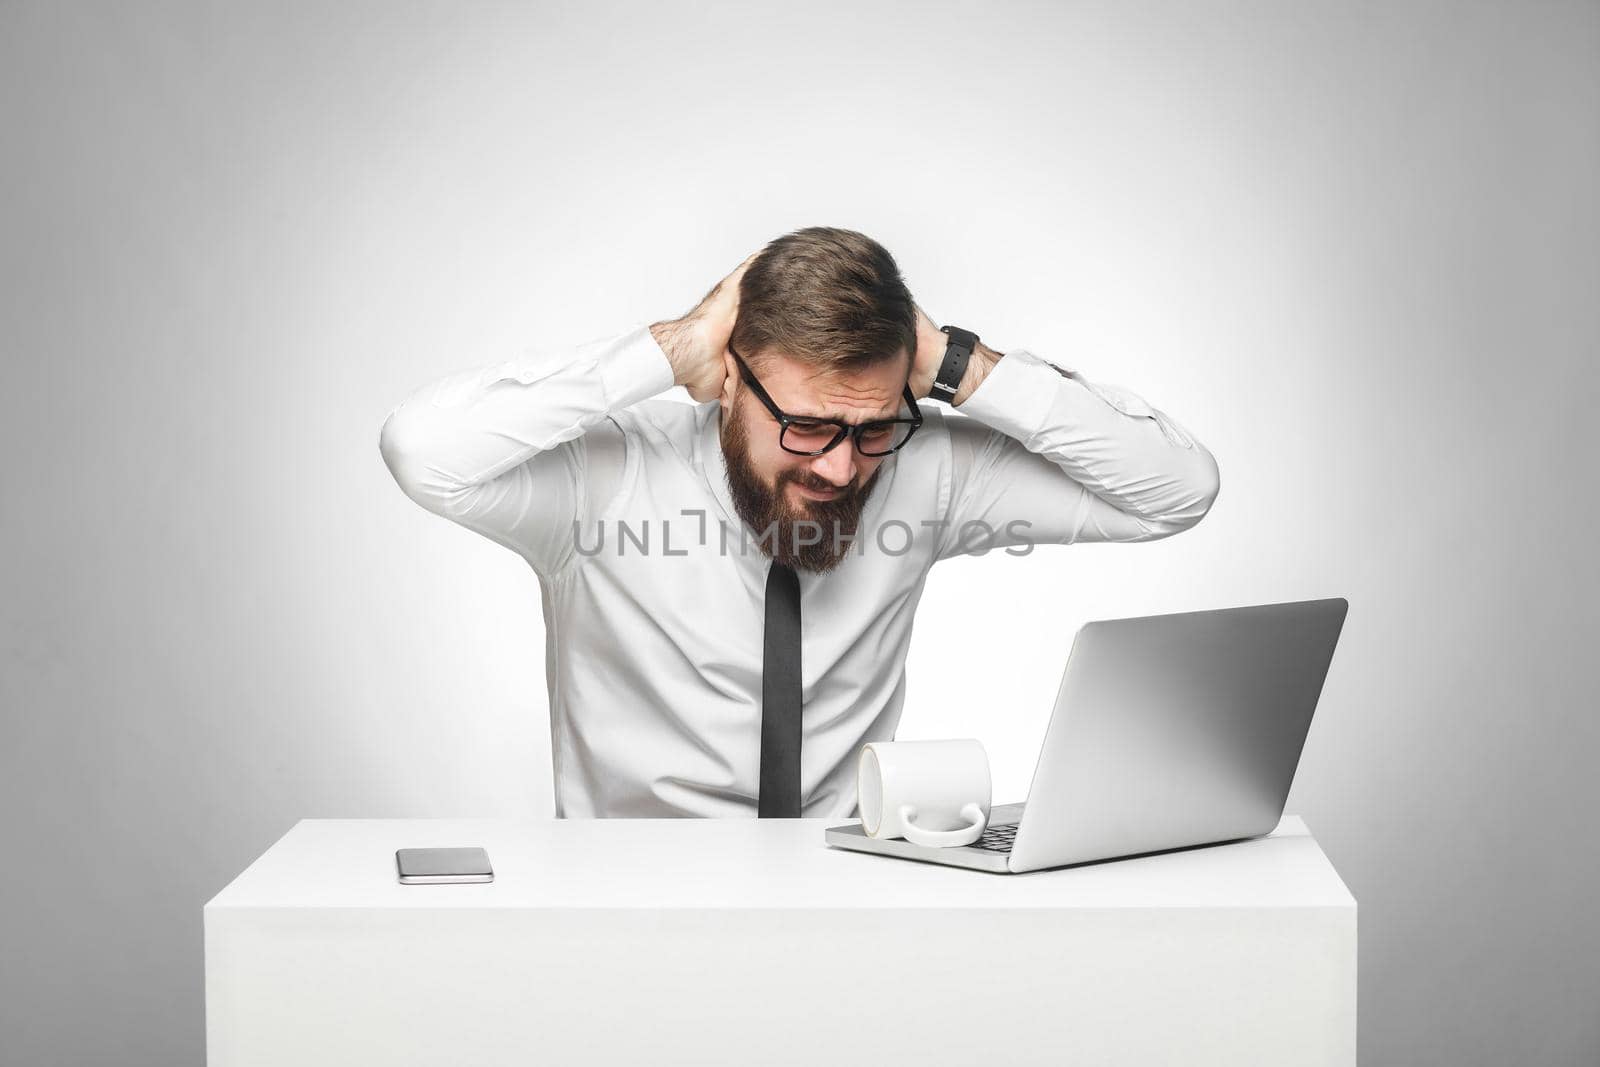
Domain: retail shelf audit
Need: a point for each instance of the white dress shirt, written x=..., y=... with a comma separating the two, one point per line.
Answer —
x=653, y=588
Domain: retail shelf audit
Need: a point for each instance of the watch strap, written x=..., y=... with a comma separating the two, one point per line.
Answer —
x=954, y=366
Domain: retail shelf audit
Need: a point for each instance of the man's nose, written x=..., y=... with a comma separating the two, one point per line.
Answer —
x=838, y=464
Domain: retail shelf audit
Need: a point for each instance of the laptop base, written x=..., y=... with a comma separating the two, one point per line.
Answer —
x=851, y=836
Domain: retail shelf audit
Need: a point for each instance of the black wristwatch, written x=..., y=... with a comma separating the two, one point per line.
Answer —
x=954, y=367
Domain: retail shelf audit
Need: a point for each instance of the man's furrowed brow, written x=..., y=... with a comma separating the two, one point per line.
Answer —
x=833, y=412
x=844, y=416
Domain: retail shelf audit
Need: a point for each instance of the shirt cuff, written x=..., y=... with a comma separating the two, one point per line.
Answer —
x=633, y=368
x=1015, y=397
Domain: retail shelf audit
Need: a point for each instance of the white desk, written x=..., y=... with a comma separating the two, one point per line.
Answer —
x=748, y=941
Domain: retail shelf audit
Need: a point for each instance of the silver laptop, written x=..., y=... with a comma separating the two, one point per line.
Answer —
x=1169, y=731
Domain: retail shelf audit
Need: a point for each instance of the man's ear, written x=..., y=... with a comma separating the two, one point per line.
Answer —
x=730, y=375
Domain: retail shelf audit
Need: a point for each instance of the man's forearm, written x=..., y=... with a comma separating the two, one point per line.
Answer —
x=677, y=341
x=1108, y=440
x=454, y=435
x=983, y=361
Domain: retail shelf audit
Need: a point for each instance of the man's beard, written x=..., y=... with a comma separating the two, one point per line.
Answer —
x=773, y=519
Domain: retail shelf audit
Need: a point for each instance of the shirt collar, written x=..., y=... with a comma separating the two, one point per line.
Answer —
x=709, y=458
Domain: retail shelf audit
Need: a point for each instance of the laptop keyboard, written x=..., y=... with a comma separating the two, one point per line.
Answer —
x=997, y=838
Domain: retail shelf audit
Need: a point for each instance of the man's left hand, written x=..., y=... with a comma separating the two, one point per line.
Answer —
x=931, y=344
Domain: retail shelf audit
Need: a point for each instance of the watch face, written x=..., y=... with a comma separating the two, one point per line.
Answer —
x=960, y=336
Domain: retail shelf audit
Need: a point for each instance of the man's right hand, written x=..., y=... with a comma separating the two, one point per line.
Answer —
x=694, y=344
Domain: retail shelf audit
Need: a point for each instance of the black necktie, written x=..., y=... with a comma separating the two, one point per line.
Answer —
x=779, y=796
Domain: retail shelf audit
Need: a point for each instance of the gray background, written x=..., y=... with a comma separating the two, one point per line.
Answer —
x=1353, y=248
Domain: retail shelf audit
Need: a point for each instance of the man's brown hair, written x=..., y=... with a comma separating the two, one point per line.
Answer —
x=829, y=297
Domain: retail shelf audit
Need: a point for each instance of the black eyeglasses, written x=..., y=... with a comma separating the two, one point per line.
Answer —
x=804, y=435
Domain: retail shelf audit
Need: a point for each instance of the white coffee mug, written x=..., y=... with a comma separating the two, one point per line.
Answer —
x=929, y=792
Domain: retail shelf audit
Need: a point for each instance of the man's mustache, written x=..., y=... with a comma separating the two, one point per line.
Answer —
x=822, y=485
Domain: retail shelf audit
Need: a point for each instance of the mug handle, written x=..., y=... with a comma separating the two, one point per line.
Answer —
x=962, y=835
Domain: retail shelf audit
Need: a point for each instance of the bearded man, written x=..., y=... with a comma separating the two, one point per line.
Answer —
x=729, y=587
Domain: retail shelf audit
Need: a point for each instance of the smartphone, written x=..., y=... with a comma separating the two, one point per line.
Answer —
x=435, y=866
